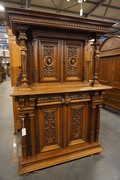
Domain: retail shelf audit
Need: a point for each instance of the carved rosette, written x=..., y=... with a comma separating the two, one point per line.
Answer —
x=48, y=58
x=49, y=128
x=72, y=62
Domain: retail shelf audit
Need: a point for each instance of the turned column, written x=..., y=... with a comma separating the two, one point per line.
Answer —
x=96, y=58
x=23, y=52
x=85, y=62
x=35, y=60
x=32, y=128
x=92, y=123
x=23, y=141
x=98, y=122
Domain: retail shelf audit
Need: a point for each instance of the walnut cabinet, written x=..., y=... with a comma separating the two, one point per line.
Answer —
x=58, y=110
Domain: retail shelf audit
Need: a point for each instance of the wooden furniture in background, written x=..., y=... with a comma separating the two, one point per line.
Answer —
x=109, y=70
x=59, y=111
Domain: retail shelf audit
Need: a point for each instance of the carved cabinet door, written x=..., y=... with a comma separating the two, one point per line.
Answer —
x=77, y=123
x=50, y=128
x=73, y=61
x=49, y=60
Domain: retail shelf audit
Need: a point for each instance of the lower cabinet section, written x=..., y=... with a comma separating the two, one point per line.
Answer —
x=59, y=128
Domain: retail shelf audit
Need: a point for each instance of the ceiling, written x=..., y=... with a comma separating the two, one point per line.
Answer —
x=105, y=10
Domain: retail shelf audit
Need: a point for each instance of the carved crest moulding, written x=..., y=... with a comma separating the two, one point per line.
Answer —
x=28, y=17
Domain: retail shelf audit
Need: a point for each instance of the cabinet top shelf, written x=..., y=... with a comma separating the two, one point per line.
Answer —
x=56, y=88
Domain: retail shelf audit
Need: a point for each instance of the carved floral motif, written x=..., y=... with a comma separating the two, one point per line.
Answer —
x=79, y=96
x=48, y=56
x=72, y=64
x=77, y=116
x=51, y=98
x=49, y=128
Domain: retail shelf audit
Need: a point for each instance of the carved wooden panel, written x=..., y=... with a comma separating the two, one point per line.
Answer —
x=110, y=44
x=73, y=67
x=46, y=98
x=116, y=72
x=50, y=128
x=49, y=60
x=105, y=69
x=76, y=124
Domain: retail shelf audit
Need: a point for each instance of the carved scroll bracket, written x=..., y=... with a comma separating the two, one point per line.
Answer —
x=23, y=51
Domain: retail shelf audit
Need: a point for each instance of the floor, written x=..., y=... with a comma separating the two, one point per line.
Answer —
x=105, y=166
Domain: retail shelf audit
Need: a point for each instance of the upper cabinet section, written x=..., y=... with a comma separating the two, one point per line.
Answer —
x=57, y=60
x=52, y=46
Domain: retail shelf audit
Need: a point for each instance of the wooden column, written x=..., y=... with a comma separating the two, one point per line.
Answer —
x=35, y=60
x=23, y=52
x=98, y=122
x=85, y=60
x=92, y=123
x=65, y=113
x=96, y=58
x=23, y=141
x=32, y=127
x=65, y=101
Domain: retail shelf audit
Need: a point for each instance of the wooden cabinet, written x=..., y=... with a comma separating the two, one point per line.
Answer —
x=58, y=110
x=109, y=66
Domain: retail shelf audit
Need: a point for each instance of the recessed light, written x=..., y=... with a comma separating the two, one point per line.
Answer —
x=2, y=8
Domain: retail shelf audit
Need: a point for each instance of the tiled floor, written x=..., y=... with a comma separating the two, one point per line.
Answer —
x=105, y=166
